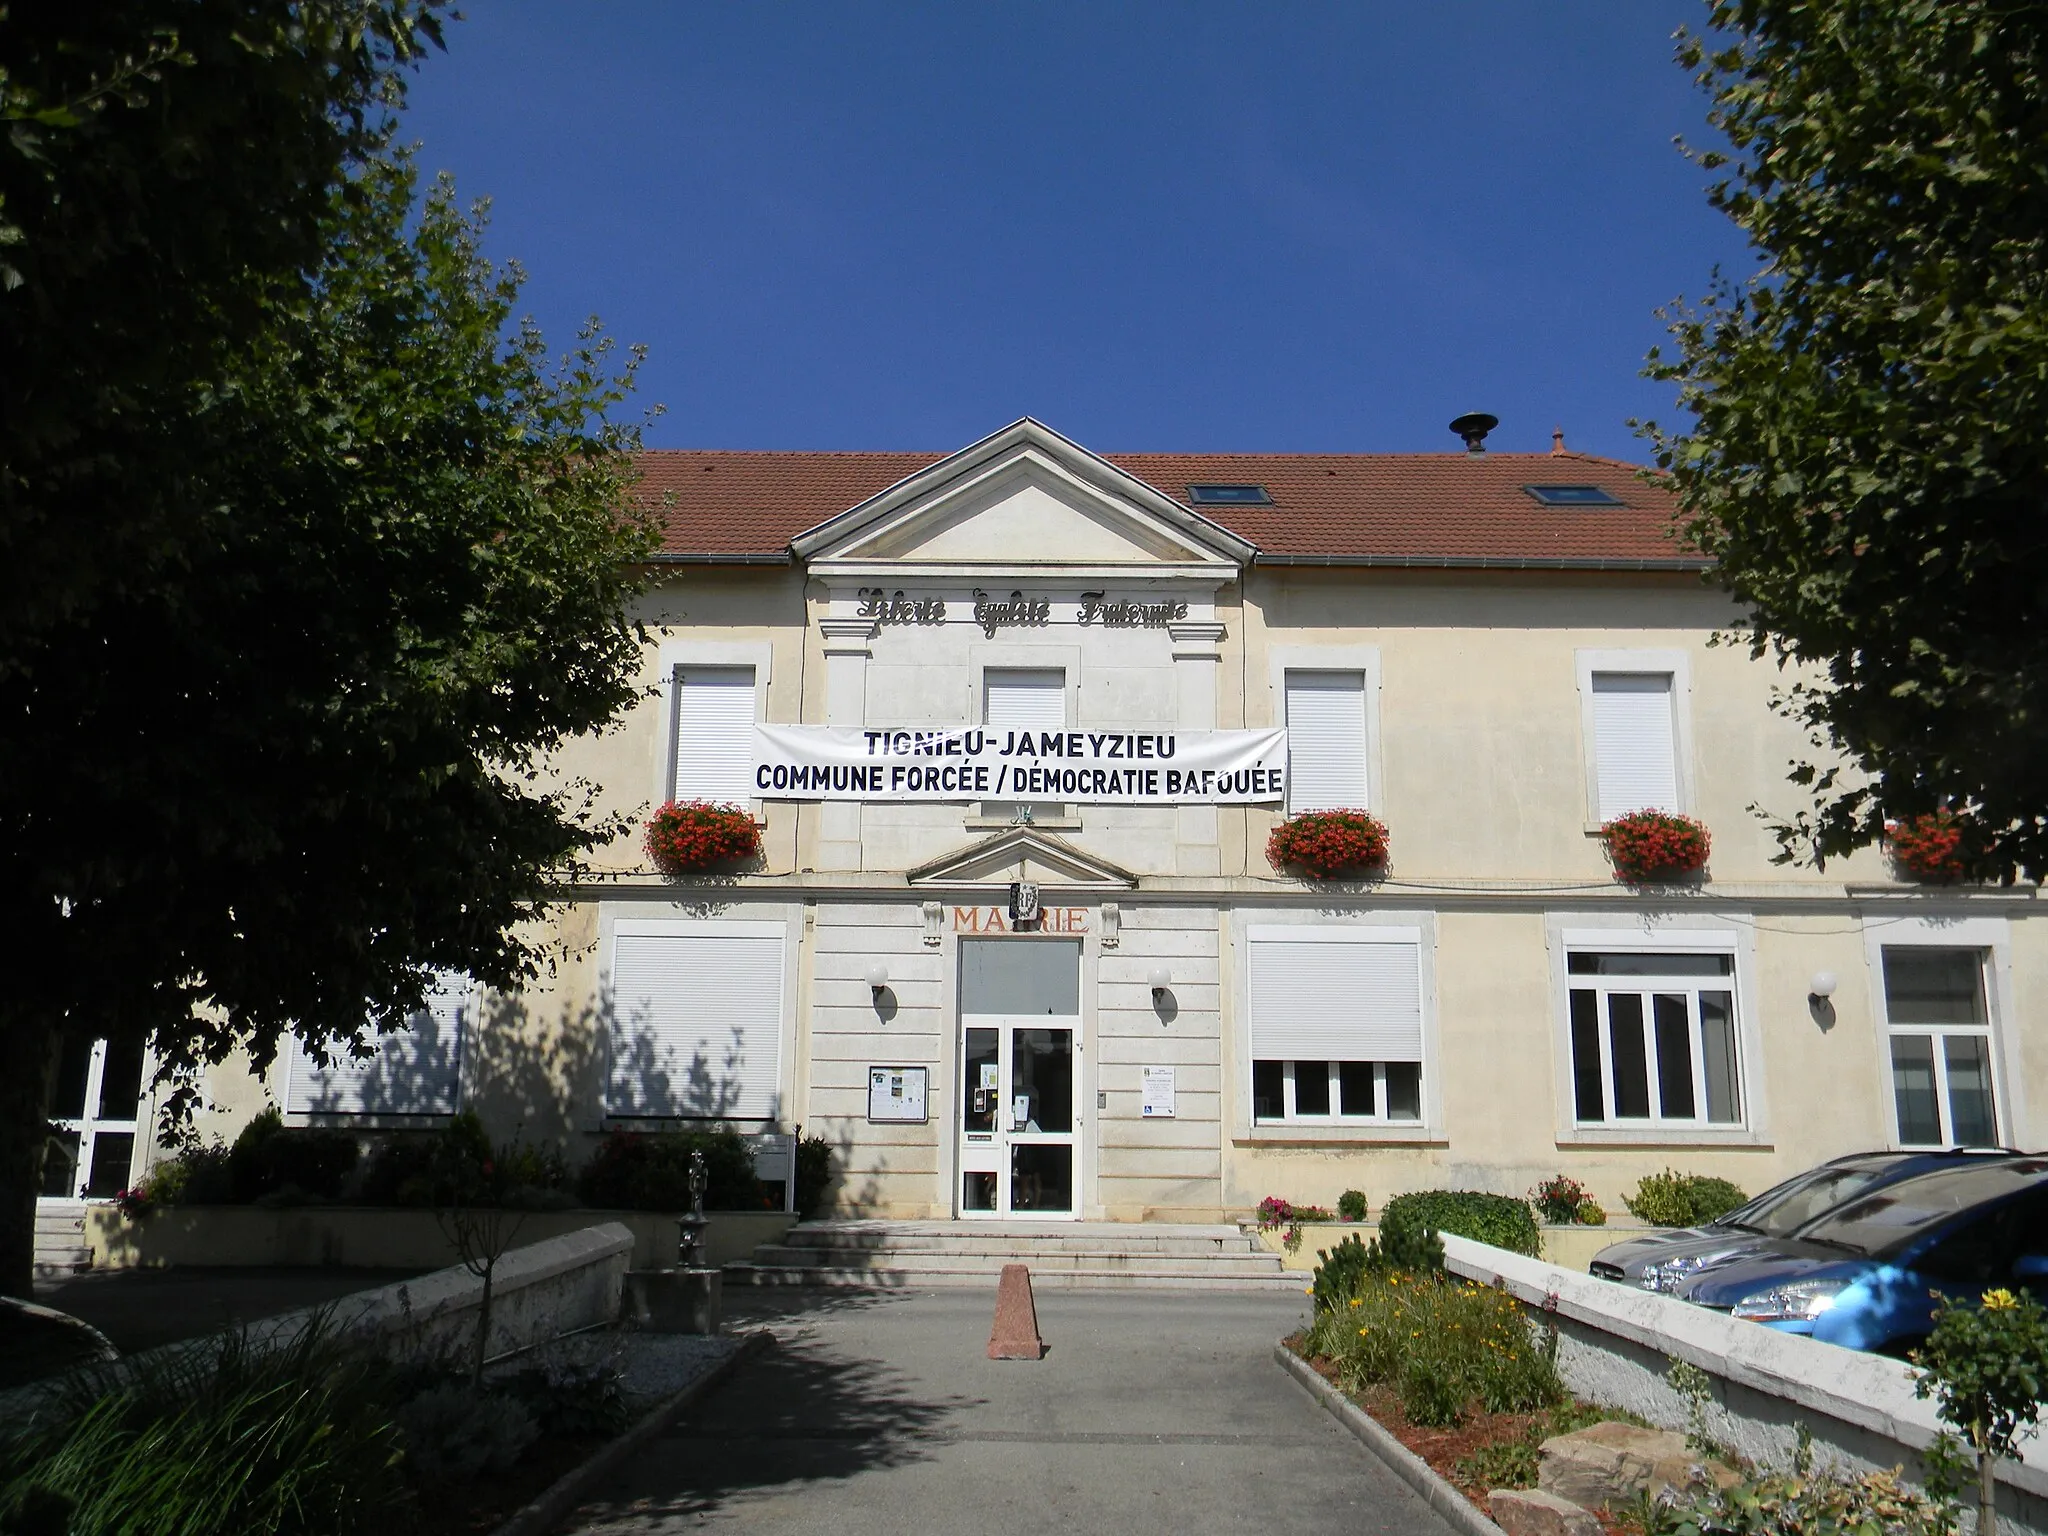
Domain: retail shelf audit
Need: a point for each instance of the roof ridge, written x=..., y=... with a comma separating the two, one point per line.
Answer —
x=1453, y=456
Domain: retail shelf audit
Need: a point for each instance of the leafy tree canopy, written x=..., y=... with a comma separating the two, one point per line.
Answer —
x=274, y=771
x=1868, y=457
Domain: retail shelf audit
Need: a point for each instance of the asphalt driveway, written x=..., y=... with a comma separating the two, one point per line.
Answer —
x=879, y=1415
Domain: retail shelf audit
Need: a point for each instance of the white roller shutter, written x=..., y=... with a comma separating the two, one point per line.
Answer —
x=1019, y=699
x=714, y=729
x=1635, y=742
x=1325, y=741
x=416, y=1071
x=696, y=1021
x=1354, y=998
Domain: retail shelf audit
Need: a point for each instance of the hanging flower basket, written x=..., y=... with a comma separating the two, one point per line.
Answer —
x=1647, y=847
x=1928, y=847
x=1326, y=844
x=689, y=835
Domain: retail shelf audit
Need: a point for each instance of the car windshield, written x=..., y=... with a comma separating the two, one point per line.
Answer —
x=1883, y=1222
x=1784, y=1210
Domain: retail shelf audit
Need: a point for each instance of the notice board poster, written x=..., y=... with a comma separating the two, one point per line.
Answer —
x=1157, y=1099
x=896, y=1095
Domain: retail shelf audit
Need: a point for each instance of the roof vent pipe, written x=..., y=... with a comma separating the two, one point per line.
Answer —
x=1473, y=427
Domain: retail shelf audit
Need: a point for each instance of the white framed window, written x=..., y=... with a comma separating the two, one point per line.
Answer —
x=1637, y=740
x=712, y=716
x=416, y=1070
x=1939, y=1040
x=1654, y=1037
x=1336, y=1025
x=1326, y=740
x=694, y=1027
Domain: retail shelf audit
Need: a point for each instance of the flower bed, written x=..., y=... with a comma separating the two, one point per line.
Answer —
x=1927, y=848
x=689, y=835
x=1650, y=846
x=1326, y=844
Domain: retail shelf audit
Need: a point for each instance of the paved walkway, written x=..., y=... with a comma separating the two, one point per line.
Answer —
x=881, y=1416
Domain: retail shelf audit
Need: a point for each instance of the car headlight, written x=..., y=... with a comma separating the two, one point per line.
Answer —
x=1668, y=1275
x=1799, y=1302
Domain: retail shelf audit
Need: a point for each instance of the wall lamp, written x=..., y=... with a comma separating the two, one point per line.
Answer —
x=1822, y=985
x=1818, y=992
x=1161, y=979
x=878, y=981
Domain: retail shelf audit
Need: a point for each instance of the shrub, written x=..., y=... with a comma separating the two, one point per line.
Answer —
x=270, y=1161
x=216, y=1436
x=813, y=1174
x=1655, y=845
x=457, y=1165
x=1803, y=1502
x=199, y=1175
x=1558, y=1198
x=1672, y=1199
x=1928, y=847
x=452, y=1433
x=1351, y=1205
x=687, y=835
x=650, y=1171
x=1326, y=843
x=1987, y=1370
x=1275, y=1212
x=1444, y=1344
x=1501, y=1220
x=1591, y=1213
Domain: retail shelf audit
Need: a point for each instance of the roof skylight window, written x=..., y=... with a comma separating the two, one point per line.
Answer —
x=1573, y=496
x=1229, y=496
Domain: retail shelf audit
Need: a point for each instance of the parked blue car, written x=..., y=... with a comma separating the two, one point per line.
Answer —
x=1867, y=1274
x=1661, y=1261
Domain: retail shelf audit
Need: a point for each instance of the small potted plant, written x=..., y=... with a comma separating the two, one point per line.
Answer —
x=1327, y=844
x=1928, y=847
x=1651, y=846
x=685, y=836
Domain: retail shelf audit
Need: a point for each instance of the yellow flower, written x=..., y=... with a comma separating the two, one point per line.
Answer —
x=2000, y=1300
x=1354, y=1301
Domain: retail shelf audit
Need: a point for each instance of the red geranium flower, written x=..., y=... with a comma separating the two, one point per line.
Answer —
x=1326, y=843
x=1929, y=847
x=685, y=835
x=1655, y=845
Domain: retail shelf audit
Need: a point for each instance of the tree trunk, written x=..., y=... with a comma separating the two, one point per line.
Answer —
x=1987, y=1493
x=28, y=1046
x=483, y=1326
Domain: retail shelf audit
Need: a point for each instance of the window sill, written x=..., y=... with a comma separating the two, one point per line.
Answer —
x=1662, y=1136
x=1301, y=1134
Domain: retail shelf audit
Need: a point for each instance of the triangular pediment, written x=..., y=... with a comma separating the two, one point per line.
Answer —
x=1024, y=854
x=1024, y=497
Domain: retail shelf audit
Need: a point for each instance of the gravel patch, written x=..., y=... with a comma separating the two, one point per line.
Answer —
x=651, y=1366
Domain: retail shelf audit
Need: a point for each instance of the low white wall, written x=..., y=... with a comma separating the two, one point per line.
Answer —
x=1616, y=1342
x=537, y=1293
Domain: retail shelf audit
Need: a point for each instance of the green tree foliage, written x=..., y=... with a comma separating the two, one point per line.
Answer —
x=1986, y=1367
x=280, y=787
x=1869, y=450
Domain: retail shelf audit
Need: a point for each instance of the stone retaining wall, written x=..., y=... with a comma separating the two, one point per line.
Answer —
x=376, y=1237
x=1617, y=1342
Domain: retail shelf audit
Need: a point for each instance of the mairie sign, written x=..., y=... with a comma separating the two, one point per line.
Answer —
x=823, y=762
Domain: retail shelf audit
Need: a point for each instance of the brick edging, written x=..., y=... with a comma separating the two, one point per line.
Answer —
x=1432, y=1489
x=561, y=1496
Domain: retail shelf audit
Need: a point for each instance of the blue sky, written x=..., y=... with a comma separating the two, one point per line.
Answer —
x=1168, y=226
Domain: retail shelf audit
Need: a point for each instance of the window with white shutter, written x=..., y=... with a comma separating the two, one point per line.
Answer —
x=1336, y=1024
x=1023, y=699
x=416, y=1070
x=696, y=1021
x=1635, y=743
x=1326, y=742
x=714, y=734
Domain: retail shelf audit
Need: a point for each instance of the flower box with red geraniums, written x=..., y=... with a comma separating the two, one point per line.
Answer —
x=1927, y=847
x=687, y=835
x=1325, y=844
x=1648, y=846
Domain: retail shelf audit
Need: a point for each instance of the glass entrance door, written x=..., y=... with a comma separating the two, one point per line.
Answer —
x=1020, y=1031
x=93, y=1121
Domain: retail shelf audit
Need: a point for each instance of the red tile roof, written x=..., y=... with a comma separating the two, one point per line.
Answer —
x=1368, y=508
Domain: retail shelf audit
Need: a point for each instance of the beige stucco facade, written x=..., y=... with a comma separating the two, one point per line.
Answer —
x=1479, y=757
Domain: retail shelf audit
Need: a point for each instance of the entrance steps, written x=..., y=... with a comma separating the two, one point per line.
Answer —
x=1067, y=1255
x=60, y=1238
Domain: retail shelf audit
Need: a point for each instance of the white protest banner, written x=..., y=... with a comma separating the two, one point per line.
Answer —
x=823, y=762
